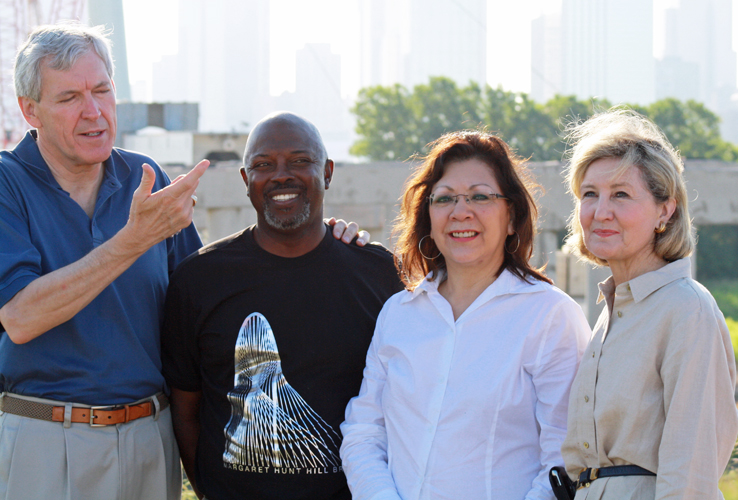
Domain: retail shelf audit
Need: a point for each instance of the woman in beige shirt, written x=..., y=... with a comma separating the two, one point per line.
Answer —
x=655, y=387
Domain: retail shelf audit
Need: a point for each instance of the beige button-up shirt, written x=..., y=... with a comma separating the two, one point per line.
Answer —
x=655, y=389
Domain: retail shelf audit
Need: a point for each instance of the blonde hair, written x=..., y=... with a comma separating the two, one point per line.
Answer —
x=638, y=142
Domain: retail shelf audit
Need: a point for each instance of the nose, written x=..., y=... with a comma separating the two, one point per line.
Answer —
x=603, y=210
x=91, y=109
x=282, y=172
x=461, y=208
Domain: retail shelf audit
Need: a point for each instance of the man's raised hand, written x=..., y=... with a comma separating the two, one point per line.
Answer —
x=156, y=216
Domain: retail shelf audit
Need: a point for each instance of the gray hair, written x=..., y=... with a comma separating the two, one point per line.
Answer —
x=59, y=46
x=636, y=141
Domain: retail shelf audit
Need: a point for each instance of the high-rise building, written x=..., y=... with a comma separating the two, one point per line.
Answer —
x=608, y=50
x=699, y=62
x=546, y=57
x=447, y=39
x=408, y=41
x=317, y=97
x=222, y=63
x=384, y=41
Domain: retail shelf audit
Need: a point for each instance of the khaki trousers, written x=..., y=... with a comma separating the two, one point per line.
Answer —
x=43, y=460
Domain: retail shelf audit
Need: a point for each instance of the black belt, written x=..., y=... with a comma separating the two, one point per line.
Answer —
x=588, y=475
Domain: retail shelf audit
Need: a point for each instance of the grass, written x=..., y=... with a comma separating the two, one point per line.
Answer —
x=726, y=296
x=187, y=493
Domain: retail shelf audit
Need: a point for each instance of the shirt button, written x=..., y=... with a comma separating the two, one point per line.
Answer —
x=586, y=399
x=620, y=314
x=593, y=354
x=586, y=445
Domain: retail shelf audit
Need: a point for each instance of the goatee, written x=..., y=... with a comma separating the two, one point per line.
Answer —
x=290, y=223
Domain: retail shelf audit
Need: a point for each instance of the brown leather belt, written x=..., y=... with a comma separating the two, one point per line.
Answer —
x=96, y=416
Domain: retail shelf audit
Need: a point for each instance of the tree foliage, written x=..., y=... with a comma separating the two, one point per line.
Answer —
x=395, y=123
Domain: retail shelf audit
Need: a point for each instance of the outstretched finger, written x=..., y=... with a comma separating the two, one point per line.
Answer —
x=187, y=184
x=178, y=178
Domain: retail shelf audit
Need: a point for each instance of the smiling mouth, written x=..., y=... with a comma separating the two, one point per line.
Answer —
x=464, y=234
x=284, y=197
x=93, y=134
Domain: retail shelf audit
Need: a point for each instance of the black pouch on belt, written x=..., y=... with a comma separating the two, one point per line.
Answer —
x=562, y=486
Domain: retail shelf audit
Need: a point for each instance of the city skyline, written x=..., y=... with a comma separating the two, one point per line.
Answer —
x=337, y=22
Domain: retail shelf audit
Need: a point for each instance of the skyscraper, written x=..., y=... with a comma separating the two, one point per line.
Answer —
x=222, y=63
x=546, y=57
x=699, y=62
x=408, y=41
x=447, y=39
x=384, y=41
x=608, y=50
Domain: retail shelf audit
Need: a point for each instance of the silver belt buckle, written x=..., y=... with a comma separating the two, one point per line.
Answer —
x=93, y=417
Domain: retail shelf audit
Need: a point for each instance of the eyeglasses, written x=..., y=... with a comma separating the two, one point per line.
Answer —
x=475, y=199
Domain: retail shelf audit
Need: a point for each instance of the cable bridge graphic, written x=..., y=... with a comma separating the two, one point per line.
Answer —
x=271, y=425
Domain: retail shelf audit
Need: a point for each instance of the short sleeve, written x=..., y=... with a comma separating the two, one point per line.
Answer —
x=20, y=260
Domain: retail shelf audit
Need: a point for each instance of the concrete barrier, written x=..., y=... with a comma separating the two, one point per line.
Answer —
x=369, y=193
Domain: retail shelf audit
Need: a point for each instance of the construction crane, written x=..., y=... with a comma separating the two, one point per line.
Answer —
x=17, y=19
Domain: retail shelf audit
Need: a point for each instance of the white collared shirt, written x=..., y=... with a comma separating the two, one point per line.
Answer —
x=472, y=408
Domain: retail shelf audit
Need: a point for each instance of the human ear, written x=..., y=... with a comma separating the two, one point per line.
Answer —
x=328, y=175
x=28, y=108
x=667, y=210
x=245, y=179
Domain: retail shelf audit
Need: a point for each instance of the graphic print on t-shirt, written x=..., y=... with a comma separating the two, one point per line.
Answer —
x=271, y=425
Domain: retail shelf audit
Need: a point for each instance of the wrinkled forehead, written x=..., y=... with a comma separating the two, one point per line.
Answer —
x=281, y=137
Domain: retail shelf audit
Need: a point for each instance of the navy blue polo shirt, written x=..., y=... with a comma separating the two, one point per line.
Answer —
x=109, y=352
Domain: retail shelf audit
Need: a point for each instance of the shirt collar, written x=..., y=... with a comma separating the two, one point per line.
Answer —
x=28, y=152
x=506, y=283
x=644, y=285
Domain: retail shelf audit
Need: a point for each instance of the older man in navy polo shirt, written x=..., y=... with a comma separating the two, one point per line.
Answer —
x=88, y=237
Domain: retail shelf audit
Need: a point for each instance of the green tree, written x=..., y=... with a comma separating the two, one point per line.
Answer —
x=385, y=123
x=521, y=122
x=440, y=107
x=394, y=123
x=692, y=128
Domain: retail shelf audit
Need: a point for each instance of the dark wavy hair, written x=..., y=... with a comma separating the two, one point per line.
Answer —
x=413, y=222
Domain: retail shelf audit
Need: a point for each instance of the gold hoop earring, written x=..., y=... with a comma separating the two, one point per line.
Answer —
x=420, y=249
x=516, y=246
x=661, y=228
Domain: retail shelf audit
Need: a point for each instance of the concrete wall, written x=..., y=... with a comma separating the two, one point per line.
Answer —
x=368, y=194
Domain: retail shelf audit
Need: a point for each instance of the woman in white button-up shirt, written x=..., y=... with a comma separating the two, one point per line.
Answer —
x=655, y=387
x=467, y=379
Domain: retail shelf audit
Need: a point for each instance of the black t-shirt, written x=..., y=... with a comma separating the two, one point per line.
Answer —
x=297, y=330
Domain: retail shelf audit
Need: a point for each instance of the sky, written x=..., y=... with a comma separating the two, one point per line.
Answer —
x=296, y=22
